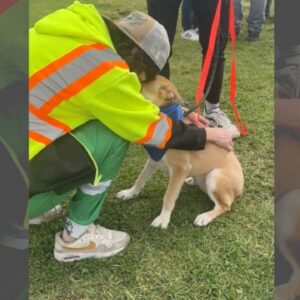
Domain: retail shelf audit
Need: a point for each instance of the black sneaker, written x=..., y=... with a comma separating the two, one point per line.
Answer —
x=253, y=36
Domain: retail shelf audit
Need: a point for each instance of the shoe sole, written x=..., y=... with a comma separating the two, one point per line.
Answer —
x=70, y=257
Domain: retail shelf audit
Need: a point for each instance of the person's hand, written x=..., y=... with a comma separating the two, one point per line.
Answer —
x=195, y=118
x=220, y=137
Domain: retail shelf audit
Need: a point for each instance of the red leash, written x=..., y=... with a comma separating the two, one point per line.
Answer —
x=240, y=124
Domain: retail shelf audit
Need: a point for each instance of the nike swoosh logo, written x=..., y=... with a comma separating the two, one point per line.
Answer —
x=91, y=246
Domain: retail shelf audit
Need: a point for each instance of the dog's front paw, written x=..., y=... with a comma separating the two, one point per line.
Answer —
x=161, y=222
x=203, y=219
x=127, y=194
x=190, y=181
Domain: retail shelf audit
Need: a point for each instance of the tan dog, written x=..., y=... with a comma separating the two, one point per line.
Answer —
x=215, y=170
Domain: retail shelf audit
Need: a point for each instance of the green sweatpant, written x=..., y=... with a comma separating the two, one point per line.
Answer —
x=108, y=151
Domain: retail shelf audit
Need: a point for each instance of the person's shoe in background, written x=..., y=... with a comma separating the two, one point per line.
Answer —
x=218, y=119
x=48, y=216
x=191, y=35
x=253, y=36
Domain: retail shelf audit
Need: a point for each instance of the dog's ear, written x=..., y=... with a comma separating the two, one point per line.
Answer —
x=177, y=96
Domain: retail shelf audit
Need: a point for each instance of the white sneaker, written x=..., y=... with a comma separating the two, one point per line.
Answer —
x=217, y=118
x=46, y=217
x=96, y=242
x=190, y=35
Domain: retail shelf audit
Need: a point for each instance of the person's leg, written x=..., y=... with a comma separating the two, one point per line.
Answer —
x=108, y=151
x=256, y=19
x=205, y=11
x=42, y=203
x=268, y=8
x=194, y=19
x=188, y=22
x=166, y=13
x=238, y=14
x=186, y=10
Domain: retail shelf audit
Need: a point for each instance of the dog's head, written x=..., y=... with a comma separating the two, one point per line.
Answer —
x=161, y=92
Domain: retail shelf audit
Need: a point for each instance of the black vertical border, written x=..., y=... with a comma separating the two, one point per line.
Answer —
x=287, y=148
x=13, y=149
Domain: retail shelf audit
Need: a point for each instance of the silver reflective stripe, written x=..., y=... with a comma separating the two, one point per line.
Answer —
x=159, y=133
x=93, y=190
x=68, y=74
x=43, y=128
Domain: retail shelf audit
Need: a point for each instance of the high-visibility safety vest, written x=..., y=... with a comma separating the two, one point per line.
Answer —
x=76, y=76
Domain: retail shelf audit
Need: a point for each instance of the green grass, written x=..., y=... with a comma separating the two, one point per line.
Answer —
x=230, y=259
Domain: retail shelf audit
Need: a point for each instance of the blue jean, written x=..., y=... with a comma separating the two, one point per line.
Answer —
x=188, y=20
x=256, y=17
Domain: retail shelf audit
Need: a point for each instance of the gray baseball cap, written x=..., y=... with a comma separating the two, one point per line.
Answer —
x=147, y=34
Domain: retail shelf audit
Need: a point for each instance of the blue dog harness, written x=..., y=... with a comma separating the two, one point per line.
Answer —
x=175, y=112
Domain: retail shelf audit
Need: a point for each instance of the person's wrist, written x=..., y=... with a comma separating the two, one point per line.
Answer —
x=210, y=137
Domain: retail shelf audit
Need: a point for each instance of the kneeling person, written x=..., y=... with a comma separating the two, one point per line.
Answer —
x=85, y=107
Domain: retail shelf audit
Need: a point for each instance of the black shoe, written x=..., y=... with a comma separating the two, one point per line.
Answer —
x=253, y=36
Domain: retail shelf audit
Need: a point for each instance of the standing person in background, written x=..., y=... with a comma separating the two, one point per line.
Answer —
x=188, y=22
x=166, y=13
x=204, y=13
x=255, y=20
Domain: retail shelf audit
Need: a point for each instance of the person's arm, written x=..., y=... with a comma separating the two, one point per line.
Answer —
x=126, y=112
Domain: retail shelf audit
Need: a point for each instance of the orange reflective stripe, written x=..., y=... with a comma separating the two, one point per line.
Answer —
x=78, y=85
x=39, y=138
x=48, y=119
x=52, y=67
x=168, y=134
x=150, y=132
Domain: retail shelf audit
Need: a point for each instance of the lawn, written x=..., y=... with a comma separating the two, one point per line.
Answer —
x=232, y=258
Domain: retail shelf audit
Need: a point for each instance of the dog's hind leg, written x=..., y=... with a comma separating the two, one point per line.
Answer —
x=220, y=191
x=200, y=181
x=145, y=175
x=177, y=176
